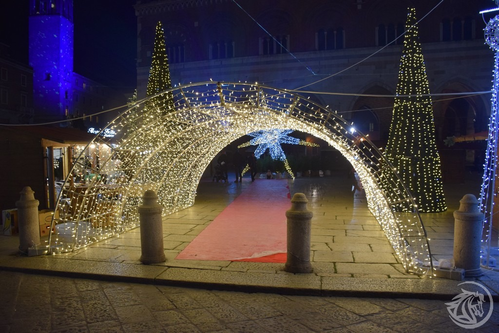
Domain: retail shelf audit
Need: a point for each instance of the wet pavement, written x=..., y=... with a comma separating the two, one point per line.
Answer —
x=349, y=253
x=35, y=303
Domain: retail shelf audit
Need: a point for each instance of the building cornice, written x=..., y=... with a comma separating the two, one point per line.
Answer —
x=146, y=7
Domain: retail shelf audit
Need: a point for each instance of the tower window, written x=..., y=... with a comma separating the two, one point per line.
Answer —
x=47, y=76
x=24, y=81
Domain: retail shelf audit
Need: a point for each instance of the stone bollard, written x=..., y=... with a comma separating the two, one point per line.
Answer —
x=29, y=227
x=299, y=226
x=151, y=229
x=467, y=236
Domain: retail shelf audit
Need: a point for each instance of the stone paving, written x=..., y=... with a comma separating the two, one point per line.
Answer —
x=349, y=253
x=35, y=303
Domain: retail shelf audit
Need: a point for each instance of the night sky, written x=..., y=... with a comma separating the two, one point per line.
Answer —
x=105, y=33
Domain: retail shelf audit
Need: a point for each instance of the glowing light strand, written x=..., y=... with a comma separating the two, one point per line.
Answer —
x=168, y=152
x=488, y=190
x=411, y=146
x=272, y=140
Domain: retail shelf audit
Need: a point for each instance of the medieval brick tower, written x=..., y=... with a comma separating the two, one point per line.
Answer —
x=51, y=56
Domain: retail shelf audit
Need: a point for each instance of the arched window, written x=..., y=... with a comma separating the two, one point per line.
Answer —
x=400, y=31
x=282, y=46
x=390, y=33
x=215, y=51
x=468, y=28
x=230, y=49
x=381, y=35
x=457, y=29
x=321, y=40
x=340, y=42
x=222, y=50
x=176, y=54
x=446, y=32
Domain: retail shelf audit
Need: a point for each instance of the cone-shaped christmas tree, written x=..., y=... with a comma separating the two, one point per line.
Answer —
x=411, y=146
x=159, y=75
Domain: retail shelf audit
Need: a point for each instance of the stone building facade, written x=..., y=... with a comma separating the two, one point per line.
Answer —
x=343, y=54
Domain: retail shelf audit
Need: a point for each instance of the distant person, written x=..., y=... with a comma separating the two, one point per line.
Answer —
x=239, y=162
x=223, y=161
x=252, y=165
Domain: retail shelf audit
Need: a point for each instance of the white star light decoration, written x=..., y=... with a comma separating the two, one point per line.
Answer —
x=272, y=140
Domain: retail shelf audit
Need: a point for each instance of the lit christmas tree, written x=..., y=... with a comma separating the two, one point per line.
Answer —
x=159, y=74
x=411, y=146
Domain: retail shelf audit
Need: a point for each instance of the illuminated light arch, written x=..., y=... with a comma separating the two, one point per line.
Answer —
x=169, y=150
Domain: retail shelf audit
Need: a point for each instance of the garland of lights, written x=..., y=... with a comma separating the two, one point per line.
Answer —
x=488, y=191
x=168, y=152
x=271, y=140
x=159, y=74
x=411, y=146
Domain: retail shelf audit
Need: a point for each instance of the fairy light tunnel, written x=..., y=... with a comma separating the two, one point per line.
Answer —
x=168, y=148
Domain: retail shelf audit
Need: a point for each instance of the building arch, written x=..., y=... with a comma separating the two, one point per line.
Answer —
x=379, y=108
x=168, y=152
x=460, y=115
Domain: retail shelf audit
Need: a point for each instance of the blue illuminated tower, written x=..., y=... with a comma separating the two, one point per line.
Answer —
x=51, y=56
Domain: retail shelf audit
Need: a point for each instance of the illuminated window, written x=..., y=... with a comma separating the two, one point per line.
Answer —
x=84, y=85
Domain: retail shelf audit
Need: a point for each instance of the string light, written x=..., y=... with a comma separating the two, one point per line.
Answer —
x=168, y=152
x=271, y=140
x=488, y=191
x=166, y=141
x=411, y=146
x=159, y=74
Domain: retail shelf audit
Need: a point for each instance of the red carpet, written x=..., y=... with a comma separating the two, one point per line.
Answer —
x=251, y=228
